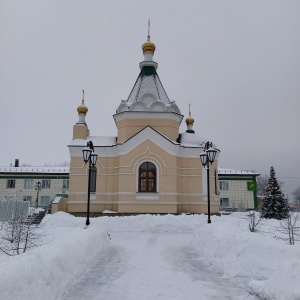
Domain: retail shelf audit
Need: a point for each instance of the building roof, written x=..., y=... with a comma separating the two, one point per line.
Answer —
x=222, y=171
x=97, y=141
x=66, y=170
x=35, y=170
x=148, y=93
x=192, y=140
x=148, y=82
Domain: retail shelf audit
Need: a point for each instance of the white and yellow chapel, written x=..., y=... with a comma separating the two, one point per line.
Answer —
x=149, y=167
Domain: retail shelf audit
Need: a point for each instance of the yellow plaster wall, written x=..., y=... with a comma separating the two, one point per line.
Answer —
x=129, y=127
x=80, y=131
x=179, y=186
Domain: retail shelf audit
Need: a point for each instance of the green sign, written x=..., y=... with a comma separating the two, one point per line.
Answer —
x=252, y=186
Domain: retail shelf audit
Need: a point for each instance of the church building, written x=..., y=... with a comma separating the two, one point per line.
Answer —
x=149, y=167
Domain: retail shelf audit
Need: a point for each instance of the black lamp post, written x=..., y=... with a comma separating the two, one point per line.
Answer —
x=89, y=156
x=38, y=187
x=208, y=156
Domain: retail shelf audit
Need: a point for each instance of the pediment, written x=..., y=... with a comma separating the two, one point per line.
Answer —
x=108, y=148
x=148, y=133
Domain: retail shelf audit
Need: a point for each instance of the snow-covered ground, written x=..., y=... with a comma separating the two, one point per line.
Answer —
x=153, y=257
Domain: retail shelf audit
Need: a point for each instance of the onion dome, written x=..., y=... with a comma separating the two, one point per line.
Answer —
x=189, y=122
x=82, y=109
x=148, y=46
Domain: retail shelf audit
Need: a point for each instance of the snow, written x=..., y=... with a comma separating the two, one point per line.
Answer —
x=222, y=171
x=153, y=257
x=22, y=169
x=97, y=141
x=192, y=140
x=188, y=139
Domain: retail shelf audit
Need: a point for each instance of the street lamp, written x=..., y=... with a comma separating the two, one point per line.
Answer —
x=208, y=156
x=38, y=187
x=89, y=156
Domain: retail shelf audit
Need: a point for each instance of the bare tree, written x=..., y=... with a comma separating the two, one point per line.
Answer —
x=254, y=221
x=289, y=227
x=257, y=293
x=19, y=235
x=262, y=183
x=296, y=195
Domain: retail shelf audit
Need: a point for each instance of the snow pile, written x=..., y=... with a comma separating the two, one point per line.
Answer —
x=44, y=272
x=152, y=223
x=262, y=262
x=266, y=264
x=192, y=140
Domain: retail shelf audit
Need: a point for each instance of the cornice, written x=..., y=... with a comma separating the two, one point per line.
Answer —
x=147, y=115
x=147, y=133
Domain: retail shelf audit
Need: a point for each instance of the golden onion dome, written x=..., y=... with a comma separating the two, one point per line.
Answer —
x=82, y=109
x=148, y=46
x=189, y=120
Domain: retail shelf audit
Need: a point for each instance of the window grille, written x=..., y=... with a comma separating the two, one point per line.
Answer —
x=147, y=177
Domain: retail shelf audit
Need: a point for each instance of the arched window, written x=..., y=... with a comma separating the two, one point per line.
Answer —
x=93, y=179
x=147, y=178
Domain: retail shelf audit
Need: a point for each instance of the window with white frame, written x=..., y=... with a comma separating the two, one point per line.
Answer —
x=45, y=200
x=46, y=183
x=224, y=201
x=27, y=198
x=11, y=183
x=28, y=184
x=223, y=185
x=65, y=184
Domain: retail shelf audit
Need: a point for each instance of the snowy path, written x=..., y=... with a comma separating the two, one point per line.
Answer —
x=143, y=265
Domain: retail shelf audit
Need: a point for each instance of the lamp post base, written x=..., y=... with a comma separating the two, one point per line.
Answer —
x=208, y=221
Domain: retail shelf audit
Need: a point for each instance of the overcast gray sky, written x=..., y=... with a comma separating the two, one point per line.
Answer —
x=236, y=62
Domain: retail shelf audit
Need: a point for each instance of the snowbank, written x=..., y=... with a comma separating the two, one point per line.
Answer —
x=265, y=263
x=45, y=271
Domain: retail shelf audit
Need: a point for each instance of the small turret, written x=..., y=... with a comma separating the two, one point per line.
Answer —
x=148, y=47
x=82, y=111
x=80, y=129
x=148, y=51
x=189, y=122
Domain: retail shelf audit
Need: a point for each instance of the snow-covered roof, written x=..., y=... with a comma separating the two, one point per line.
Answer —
x=48, y=170
x=222, y=171
x=148, y=82
x=97, y=141
x=148, y=93
x=193, y=140
x=66, y=170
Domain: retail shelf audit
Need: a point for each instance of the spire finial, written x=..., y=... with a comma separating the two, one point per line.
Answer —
x=189, y=109
x=148, y=47
x=148, y=38
x=83, y=96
